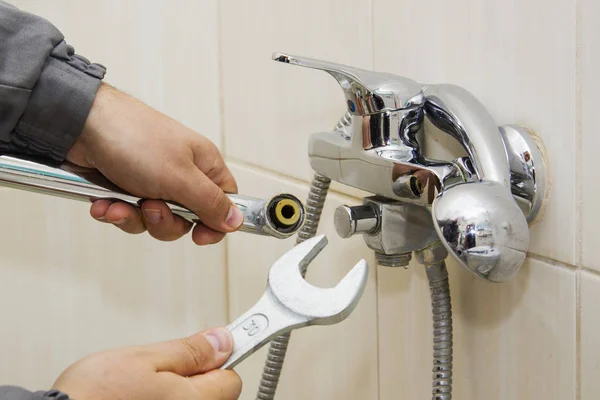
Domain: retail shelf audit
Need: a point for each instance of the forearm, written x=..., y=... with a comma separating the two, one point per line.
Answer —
x=17, y=393
x=46, y=90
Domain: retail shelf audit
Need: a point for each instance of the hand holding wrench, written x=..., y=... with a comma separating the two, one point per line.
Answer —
x=289, y=302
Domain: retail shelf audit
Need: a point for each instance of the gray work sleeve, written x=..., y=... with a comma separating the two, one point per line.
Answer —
x=46, y=90
x=17, y=393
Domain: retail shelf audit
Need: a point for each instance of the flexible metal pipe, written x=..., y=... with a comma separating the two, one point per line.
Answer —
x=441, y=308
x=278, y=347
x=317, y=194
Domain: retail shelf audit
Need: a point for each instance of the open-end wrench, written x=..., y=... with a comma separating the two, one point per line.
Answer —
x=289, y=302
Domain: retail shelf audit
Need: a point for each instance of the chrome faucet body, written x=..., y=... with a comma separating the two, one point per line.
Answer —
x=478, y=206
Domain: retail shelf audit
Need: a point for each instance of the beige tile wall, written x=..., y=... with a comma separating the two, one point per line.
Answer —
x=208, y=63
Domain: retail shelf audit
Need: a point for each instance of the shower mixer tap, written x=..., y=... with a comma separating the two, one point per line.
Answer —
x=478, y=206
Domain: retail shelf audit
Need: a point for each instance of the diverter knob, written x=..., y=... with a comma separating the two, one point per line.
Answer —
x=358, y=219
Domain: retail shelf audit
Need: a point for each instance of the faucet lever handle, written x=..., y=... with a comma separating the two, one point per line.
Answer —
x=366, y=92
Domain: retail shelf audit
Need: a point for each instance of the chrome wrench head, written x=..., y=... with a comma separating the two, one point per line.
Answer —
x=289, y=302
x=322, y=306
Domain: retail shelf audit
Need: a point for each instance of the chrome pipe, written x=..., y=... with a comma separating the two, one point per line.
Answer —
x=280, y=216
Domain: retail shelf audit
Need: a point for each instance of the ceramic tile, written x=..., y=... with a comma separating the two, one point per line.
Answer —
x=165, y=55
x=339, y=361
x=271, y=109
x=518, y=58
x=511, y=341
x=70, y=286
x=404, y=333
x=590, y=330
x=590, y=62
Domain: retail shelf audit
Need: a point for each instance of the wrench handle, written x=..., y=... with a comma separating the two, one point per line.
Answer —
x=263, y=322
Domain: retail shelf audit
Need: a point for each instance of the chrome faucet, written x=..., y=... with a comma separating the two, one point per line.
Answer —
x=478, y=206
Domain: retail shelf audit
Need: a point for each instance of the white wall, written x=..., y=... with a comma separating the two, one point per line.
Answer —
x=208, y=63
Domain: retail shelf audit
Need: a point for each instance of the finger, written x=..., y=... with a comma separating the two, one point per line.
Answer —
x=98, y=209
x=193, y=355
x=209, y=160
x=218, y=385
x=125, y=217
x=203, y=235
x=226, y=181
x=209, y=202
x=161, y=223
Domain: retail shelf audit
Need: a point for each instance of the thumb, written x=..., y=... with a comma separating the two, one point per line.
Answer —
x=193, y=355
x=210, y=203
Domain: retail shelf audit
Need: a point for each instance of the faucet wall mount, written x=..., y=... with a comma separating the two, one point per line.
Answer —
x=478, y=206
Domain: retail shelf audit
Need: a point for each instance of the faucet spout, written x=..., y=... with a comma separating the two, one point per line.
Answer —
x=457, y=112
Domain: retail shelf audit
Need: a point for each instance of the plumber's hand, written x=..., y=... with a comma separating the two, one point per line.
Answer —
x=183, y=369
x=154, y=157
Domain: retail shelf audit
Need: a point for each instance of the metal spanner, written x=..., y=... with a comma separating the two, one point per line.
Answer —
x=289, y=302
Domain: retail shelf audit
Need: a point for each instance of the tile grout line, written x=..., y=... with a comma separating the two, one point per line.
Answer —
x=378, y=339
x=289, y=178
x=377, y=315
x=578, y=199
x=561, y=264
x=227, y=280
x=578, y=140
x=222, y=145
x=373, y=35
x=578, y=279
x=590, y=271
x=220, y=70
x=257, y=168
x=551, y=261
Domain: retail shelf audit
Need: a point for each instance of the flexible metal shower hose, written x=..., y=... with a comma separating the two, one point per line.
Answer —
x=278, y=347
x=441, y=308
x=314, y=207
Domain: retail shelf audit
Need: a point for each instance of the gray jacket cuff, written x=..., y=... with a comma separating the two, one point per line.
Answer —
x=58, y=106
x=17, y=393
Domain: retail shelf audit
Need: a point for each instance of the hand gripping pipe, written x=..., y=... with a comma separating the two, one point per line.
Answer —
x=280, y=216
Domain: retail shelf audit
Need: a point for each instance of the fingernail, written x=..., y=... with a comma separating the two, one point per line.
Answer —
x=120, y=222
x=235, y=217
x=220, y=340
x=153, y=216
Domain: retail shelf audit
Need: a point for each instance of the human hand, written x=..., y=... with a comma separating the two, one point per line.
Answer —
x=183, y=369
x=154, y=157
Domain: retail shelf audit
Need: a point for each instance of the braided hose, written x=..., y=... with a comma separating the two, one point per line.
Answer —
x=441, y=307
x=344, y=123
x=278, y=347
x=314, y=207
